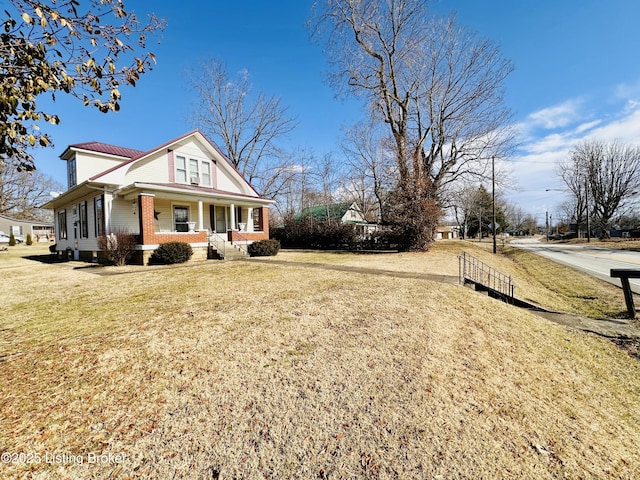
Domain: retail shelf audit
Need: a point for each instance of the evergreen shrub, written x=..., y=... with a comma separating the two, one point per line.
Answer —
x=171, y=252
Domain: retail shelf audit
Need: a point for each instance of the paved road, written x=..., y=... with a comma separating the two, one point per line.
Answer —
x=596, y=261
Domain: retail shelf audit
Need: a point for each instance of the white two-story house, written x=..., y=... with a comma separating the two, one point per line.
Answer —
x=184, y=190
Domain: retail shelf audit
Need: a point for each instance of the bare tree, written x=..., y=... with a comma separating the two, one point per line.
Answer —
x=249, y=127
x=575, y=178
x=298, y=187
x=610, y=173
x=437, y=87
x=22, y=192
x=370, y=172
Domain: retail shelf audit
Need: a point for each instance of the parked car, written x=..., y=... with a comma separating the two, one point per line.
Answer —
x=4, y=238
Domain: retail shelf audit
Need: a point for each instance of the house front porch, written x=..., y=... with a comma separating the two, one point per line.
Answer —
x=205, y=225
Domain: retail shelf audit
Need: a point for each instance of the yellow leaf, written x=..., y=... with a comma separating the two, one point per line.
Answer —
x=26, y=17
x=32, y=140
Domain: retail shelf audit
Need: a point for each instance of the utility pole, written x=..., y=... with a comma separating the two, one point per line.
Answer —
x=586, y=201
x=493, y=200
x=547, y=226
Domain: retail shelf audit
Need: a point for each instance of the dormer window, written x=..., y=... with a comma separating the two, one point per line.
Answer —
x=71, y=173
x=193, y=171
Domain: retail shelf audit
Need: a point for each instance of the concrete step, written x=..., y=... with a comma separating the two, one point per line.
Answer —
x=233, y=252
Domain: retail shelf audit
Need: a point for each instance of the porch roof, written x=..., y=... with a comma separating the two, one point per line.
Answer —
x=196, y=192
x=78, y=192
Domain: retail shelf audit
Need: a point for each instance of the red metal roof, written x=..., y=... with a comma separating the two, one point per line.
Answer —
x=108, y=149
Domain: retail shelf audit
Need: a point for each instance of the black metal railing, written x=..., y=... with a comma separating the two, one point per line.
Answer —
x=470, y=269
x=240, y=242
x=217, y=243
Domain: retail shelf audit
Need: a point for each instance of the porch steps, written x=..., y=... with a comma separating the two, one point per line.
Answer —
x=231, y=252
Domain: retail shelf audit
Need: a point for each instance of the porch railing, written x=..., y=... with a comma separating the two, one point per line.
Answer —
x=240, y=241
x=217, y=243
x=473, y=270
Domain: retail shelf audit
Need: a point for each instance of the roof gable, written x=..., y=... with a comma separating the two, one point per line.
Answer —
x=197, y=135
x=321, y=213
x=104, y=148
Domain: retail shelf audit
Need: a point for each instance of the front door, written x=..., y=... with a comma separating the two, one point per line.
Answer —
x=219, y=218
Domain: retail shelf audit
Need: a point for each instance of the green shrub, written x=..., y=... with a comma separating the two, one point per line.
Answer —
x=264, y=248
x=12, y=240
x=170, y=253
x=29, y=239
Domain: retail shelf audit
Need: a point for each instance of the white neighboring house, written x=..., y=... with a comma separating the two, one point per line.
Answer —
x=39, y=231
x=184, y=190
x=347, y=213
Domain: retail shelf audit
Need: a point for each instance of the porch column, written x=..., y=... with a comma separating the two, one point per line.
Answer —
x=108, y=200
x=249, y=219
x=200, y=216
x=146, y=205
x=233, y=216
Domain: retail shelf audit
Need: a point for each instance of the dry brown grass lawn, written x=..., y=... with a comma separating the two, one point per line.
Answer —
x=257, y=370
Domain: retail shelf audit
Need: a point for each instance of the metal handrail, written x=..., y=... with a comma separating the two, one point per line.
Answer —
x=476, y=271
x=217, y=243
x=242, y=246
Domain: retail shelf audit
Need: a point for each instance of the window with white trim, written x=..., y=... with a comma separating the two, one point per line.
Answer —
x=181, y=218
x=71, y=173
x=84, y=221
x=98, y=215
x=205, y=173
x=181, y=170
x=257, y=219
x=193, y=171
x=62, y=224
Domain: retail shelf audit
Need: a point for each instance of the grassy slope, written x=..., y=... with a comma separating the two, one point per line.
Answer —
x=258, y=370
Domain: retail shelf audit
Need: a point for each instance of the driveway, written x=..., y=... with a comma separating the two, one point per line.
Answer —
x=596, y=261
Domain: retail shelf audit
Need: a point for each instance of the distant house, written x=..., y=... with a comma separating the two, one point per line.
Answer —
x=345, y=213
x=184, y=190
x=39, y=231
x=447, y=232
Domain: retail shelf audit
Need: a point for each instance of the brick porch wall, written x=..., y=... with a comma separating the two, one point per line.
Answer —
x=148, y=235
x=235, y=236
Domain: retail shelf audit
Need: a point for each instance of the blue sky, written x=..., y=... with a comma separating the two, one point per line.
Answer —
x=576, y=75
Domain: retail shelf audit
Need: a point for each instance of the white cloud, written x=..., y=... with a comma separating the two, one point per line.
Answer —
x=556, y=116
x=535, y=164
x=628, y=91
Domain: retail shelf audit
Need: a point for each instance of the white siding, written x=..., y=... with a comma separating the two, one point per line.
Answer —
x=228, y=183
x=123, y=216
x=165, y=216
x=89, y=165
x=154, y=169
